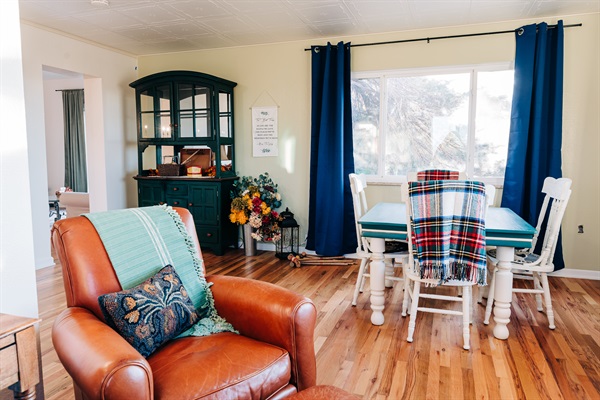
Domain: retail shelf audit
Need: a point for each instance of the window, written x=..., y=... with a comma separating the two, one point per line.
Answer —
x=452, y=118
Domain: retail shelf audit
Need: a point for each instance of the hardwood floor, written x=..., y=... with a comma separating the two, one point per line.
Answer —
x=376, y=362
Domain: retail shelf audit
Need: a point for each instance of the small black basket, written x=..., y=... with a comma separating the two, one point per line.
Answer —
x=172, y=169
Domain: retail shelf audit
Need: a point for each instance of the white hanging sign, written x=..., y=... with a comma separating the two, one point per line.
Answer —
x=264, y=132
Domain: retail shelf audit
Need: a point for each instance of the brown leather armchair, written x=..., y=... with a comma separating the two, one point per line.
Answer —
x=271, y=358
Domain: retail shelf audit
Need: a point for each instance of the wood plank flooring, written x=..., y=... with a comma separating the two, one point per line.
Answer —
x=376, y=362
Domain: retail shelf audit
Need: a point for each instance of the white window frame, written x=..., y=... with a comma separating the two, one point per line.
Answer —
x=380, y=178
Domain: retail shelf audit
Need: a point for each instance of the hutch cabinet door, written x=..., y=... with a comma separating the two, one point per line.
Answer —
x=194, y=111
x=204, y=203
x=150, y=193
x=155, y=112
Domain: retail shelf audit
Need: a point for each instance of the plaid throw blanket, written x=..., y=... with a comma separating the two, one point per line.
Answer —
x=158, y=237
x=437, y=175
x=448, y=230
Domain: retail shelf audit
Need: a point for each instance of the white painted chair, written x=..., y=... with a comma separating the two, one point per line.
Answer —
x=413, y=279
x=358, y=185
x=490, y=194
x=530, y=266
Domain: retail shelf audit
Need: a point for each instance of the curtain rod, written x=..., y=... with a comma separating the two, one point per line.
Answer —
x=64, y=90
x=428, y=39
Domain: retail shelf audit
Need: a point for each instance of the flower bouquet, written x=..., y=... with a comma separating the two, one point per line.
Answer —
x=253, y=202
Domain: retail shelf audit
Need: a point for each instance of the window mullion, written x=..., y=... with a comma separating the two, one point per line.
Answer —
x=472, y=127
x=382, y=125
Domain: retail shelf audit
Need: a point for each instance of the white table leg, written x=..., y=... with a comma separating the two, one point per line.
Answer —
x=377, y=280
x=503, y=291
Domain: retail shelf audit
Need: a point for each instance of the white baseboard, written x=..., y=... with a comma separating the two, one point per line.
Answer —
x=44, y=262
x=265, y=246
x=577, y=273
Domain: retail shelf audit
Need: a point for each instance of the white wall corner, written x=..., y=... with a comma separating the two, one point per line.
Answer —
x=18, y=294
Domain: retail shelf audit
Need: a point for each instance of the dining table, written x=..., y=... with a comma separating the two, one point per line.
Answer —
x=504, y=229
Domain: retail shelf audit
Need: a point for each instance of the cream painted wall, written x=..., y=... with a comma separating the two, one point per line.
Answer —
x=54, y=129
x=581, y=143
x=282, y=71
x=18, y=293
x=106, y=78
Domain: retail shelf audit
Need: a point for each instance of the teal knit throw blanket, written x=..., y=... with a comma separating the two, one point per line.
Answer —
x=141, y=241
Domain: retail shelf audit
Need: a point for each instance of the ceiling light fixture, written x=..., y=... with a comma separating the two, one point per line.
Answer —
x=99, y=2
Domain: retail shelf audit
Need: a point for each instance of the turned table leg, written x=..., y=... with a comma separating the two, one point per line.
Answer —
x=377, y=280
x=503, y=291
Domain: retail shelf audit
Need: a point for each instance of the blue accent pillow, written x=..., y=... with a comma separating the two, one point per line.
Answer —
x=151, y=313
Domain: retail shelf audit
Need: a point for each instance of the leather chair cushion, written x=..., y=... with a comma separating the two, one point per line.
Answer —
x=151, y=313
x=324, y=392
x=225, y=365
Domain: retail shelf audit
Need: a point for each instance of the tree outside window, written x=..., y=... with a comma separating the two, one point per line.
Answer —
x=413, y=120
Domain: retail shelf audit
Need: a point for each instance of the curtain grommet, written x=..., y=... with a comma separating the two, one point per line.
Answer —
x=520, y=31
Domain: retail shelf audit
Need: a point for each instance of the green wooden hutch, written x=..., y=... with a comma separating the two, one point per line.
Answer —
x=183, y=113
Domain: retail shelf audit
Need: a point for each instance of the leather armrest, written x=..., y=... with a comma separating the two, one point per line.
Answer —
x=102, y=364
x=271, y=314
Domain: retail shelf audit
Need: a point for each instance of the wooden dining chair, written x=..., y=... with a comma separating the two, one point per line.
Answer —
x=358, y=184
x=446, y=232
x=530, y=265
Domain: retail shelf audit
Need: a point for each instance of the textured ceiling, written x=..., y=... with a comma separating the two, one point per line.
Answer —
x=142, y=27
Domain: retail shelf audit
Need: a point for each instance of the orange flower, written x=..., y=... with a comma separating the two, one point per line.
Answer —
x=132, y=317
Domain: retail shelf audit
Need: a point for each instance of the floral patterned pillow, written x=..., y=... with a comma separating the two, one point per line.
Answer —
x=150, y=313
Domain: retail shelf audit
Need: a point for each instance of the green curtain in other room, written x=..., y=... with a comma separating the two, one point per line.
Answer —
x=75, y=158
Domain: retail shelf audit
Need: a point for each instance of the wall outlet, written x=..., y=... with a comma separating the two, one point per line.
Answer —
x=580, y=229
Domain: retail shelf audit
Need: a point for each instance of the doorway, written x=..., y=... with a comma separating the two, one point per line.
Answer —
x=55, y=81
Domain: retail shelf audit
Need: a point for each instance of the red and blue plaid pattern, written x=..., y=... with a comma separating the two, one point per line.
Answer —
x=448, y=230
x=437, y=175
